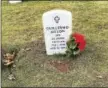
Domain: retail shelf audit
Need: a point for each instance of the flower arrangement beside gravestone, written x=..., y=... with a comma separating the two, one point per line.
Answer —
x=75, y=45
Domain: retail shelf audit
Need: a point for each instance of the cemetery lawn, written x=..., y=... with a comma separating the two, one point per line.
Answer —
x=22, y=29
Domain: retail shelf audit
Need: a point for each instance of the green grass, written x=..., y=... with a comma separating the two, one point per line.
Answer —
x=22, y=24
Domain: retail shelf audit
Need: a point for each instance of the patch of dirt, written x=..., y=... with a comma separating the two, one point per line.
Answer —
x=62, y=66
x=36, y=51
x=37, y=46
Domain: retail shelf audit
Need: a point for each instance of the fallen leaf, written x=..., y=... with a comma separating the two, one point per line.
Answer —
x=11, y=77
x=100, y=77
x=27, y=49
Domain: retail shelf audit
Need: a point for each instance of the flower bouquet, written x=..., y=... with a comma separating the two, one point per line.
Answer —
x=76, y=44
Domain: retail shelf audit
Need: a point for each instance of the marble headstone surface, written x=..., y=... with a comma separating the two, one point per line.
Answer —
x=57, y=25
x=14, y=1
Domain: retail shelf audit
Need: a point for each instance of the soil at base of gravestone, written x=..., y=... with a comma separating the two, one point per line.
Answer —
x=38, y=48
x=62, y=66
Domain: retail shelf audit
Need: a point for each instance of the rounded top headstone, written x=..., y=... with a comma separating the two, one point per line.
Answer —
x=15, y=1
x=57, y=26
x=57, y=11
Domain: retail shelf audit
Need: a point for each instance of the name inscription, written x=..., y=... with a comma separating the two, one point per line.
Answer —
x=58, y=40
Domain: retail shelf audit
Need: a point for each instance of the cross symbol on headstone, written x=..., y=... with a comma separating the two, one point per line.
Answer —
x=57, y=19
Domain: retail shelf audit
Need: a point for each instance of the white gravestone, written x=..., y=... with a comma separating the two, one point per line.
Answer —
x=57, y=26
x=15, y=1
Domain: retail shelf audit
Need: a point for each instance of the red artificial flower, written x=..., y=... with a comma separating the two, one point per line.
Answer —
x=80, y=40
